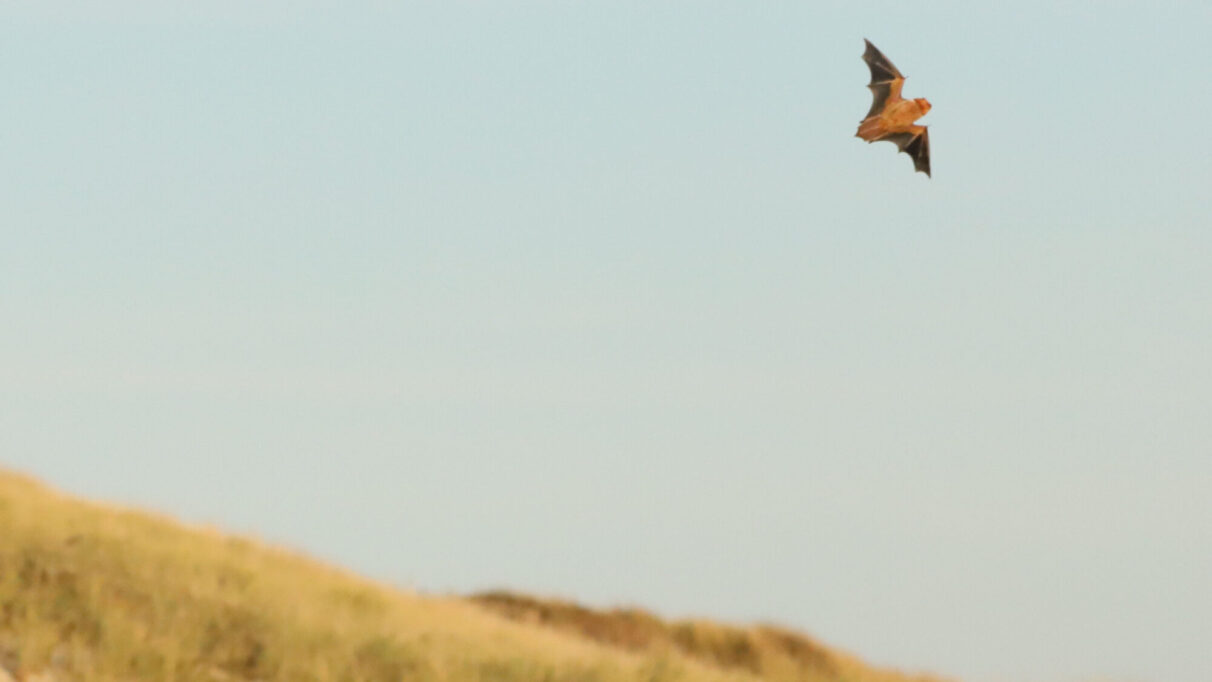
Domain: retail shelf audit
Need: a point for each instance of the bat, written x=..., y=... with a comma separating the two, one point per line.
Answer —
x=892, y=117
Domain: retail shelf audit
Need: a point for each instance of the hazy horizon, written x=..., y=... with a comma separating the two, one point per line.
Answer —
x=605, y=301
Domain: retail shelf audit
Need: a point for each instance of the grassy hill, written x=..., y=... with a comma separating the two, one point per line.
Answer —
x=96, y=592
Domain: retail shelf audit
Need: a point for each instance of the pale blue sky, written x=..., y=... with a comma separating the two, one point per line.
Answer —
x=603, y=300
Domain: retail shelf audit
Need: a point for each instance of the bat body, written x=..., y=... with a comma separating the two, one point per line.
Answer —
x=892, y=117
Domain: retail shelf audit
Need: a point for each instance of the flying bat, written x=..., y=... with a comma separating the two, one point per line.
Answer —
x=891, y=117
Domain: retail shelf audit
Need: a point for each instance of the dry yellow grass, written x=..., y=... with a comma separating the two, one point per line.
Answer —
x=764, y=651
x=95, y=592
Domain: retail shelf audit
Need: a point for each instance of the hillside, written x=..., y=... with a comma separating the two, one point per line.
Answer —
x=95, y=592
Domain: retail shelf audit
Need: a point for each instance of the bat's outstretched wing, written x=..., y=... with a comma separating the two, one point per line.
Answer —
x=886, y=81
x=915, y=143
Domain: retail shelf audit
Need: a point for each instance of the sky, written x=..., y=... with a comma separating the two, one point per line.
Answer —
x=604, y=301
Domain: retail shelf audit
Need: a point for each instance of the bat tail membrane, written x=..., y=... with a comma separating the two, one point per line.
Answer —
x=871, y=129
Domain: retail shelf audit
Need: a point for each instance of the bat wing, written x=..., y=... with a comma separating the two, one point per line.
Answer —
x=886, y=80
x=915, y=143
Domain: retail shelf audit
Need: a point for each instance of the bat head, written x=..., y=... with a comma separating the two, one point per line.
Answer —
x=923, y=105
